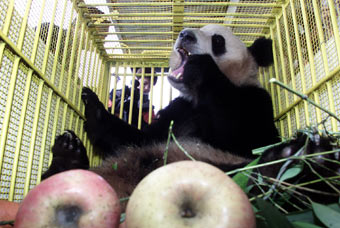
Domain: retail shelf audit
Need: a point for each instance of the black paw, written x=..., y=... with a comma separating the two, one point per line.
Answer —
x=200, y=70
x=68, y=153
x=88, y=96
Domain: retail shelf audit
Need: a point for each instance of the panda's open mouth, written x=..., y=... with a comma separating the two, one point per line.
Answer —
x=177, y=73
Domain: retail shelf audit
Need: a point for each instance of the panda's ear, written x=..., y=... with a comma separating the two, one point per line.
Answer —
x=262, y=51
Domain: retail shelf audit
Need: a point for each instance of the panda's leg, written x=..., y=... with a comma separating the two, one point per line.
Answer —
x=68, y=153
x=105, y=131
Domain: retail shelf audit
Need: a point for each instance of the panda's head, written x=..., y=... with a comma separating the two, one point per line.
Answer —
x=236, y=61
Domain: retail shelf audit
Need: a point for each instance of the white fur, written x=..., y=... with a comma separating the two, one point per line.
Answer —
x=237, y=63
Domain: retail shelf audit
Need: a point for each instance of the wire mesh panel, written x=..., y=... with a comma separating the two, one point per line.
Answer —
x=43, y=44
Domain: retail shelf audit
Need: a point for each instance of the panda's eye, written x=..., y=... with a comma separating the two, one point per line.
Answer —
x=218, y=45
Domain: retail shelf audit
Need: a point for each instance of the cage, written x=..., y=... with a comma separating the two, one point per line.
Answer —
x=50, y=49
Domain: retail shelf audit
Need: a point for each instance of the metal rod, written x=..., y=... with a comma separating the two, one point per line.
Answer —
x=303, y=96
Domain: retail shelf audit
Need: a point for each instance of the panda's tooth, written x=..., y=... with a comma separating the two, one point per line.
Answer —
x=178, y=75
x=189, y=53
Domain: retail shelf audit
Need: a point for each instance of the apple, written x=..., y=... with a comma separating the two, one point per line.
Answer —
x=75, y=198
x=189, y=194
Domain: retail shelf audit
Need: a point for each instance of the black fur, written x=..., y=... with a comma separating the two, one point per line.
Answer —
x=220, y=115
x=262, y=51
x=220, y=126
x=218, y=45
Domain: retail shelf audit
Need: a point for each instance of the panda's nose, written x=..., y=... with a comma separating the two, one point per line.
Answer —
x=187, y=36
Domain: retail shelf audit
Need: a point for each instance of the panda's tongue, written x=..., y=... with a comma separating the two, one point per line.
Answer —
x=179, y=71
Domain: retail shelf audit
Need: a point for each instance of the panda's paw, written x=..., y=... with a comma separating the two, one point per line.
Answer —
x=88, y=96
x=68, y=153
x=70, y=147
x=200, y=68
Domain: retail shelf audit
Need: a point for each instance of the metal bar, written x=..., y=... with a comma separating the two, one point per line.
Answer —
x=134, y=41
x=141, y=99
x=95, y=64
x=37, y=33
x=175, y=21
x=54, y=131
x=309, y=41
x=309, y=48
x=115, y=89
x=151, y=94
x=3, y=135
x=95, y=33
x=33, y=138
x=289, y=50
x=90, y=64
x=138, y=48
x=132, y=95
x=49, y=39
x=77, y=73
x=63, y=123
x=301, y=61
x=105, y=77
x=253, y=4
x=44, y=135
x=24, y=25
x=58, y=45
x=122, y=98
x=162, y=87
x=334, y=19
x=284, y=73
x=86, y=49
x=322, y=41
x=185, y=14
x=63, y=63
x=276, y=68
x=174, y=24
x=8, y=18
x=331, y=105
x=72, y=62
x=19, y=135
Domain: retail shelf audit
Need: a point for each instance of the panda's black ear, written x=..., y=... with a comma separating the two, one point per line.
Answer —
x=262, y=51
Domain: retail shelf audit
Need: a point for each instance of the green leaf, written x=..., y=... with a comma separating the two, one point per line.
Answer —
x=241, y=179
x=273, y=217
x=122, y=217
x=306, y=216
x=329, y=217
x=292, y=172
x=115, y=166
x=305, y=225
x=259, y=151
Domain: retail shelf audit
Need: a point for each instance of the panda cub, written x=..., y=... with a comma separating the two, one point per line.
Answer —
x=221, y=115
x=216, y=118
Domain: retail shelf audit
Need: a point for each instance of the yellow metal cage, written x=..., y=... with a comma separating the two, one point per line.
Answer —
x=50, y=49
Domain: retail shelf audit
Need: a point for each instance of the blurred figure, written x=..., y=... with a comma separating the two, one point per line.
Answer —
x=136, y=99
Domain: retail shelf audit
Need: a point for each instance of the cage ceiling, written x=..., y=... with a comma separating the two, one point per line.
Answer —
x=146, y=30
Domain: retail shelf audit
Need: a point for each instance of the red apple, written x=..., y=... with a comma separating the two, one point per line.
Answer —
x=75, y=198
x=189, y=194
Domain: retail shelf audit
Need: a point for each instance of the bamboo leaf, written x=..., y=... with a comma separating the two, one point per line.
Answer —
x=242, y=179
x=292, y=172
x=305, y=225
x=273, y=217
x=329, y=217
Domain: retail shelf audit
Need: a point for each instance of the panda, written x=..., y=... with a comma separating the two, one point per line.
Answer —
x=221, y=115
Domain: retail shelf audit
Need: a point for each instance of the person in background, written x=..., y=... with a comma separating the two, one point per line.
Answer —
x=136, y=100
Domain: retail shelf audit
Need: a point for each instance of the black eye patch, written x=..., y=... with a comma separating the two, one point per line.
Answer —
x=218, y=45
